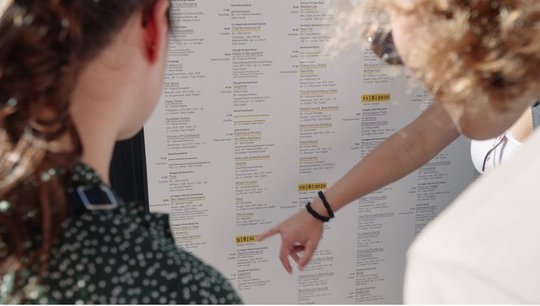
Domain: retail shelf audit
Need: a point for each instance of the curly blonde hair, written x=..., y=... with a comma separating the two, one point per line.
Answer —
x=483, y=54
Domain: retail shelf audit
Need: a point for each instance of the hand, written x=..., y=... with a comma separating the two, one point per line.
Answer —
x=299, y=233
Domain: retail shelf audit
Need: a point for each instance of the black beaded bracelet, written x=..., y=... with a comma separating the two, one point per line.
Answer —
x=326, y=204
x=315, y=214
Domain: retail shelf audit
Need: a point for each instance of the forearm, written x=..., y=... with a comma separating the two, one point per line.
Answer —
x=396, y=157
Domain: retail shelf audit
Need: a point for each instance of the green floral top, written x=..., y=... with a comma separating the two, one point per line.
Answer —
x=126, y=255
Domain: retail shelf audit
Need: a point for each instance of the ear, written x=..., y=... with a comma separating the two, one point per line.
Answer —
x=155, y=23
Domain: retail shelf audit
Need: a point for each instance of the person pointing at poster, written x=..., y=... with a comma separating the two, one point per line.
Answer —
x=480, y=61
x=401, y=154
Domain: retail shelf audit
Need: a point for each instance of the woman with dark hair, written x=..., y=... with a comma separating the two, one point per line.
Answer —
x=75, y=77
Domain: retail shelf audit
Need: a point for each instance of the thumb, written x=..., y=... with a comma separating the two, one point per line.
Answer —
x=310, y=248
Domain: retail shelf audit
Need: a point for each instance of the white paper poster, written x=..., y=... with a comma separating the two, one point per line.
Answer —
x=253, y=121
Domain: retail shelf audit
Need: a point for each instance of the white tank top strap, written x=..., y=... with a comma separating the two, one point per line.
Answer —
x=489, y=154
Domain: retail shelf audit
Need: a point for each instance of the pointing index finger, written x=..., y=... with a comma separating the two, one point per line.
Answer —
x=267, y=234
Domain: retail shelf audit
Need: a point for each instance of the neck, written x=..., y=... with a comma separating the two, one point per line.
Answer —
x=97, y=152
x=102, y=98
x=97, y=124
x=98, y=145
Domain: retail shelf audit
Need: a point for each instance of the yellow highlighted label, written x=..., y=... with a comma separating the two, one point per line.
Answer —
x=246, y=239
x=311, y=186
x=374, y=98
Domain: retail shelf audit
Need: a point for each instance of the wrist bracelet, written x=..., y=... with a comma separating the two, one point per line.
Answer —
x=326, y=204
x=315, y=214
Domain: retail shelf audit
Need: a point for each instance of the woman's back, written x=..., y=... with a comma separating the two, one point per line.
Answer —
x=122, y=254
x=75, y=77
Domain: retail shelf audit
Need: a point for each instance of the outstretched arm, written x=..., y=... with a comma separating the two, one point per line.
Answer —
x=396, y=157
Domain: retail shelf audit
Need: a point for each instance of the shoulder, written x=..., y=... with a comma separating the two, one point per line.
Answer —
x=129, y=256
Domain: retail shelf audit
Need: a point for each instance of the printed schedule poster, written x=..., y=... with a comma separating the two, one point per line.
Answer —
x=254, y=120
